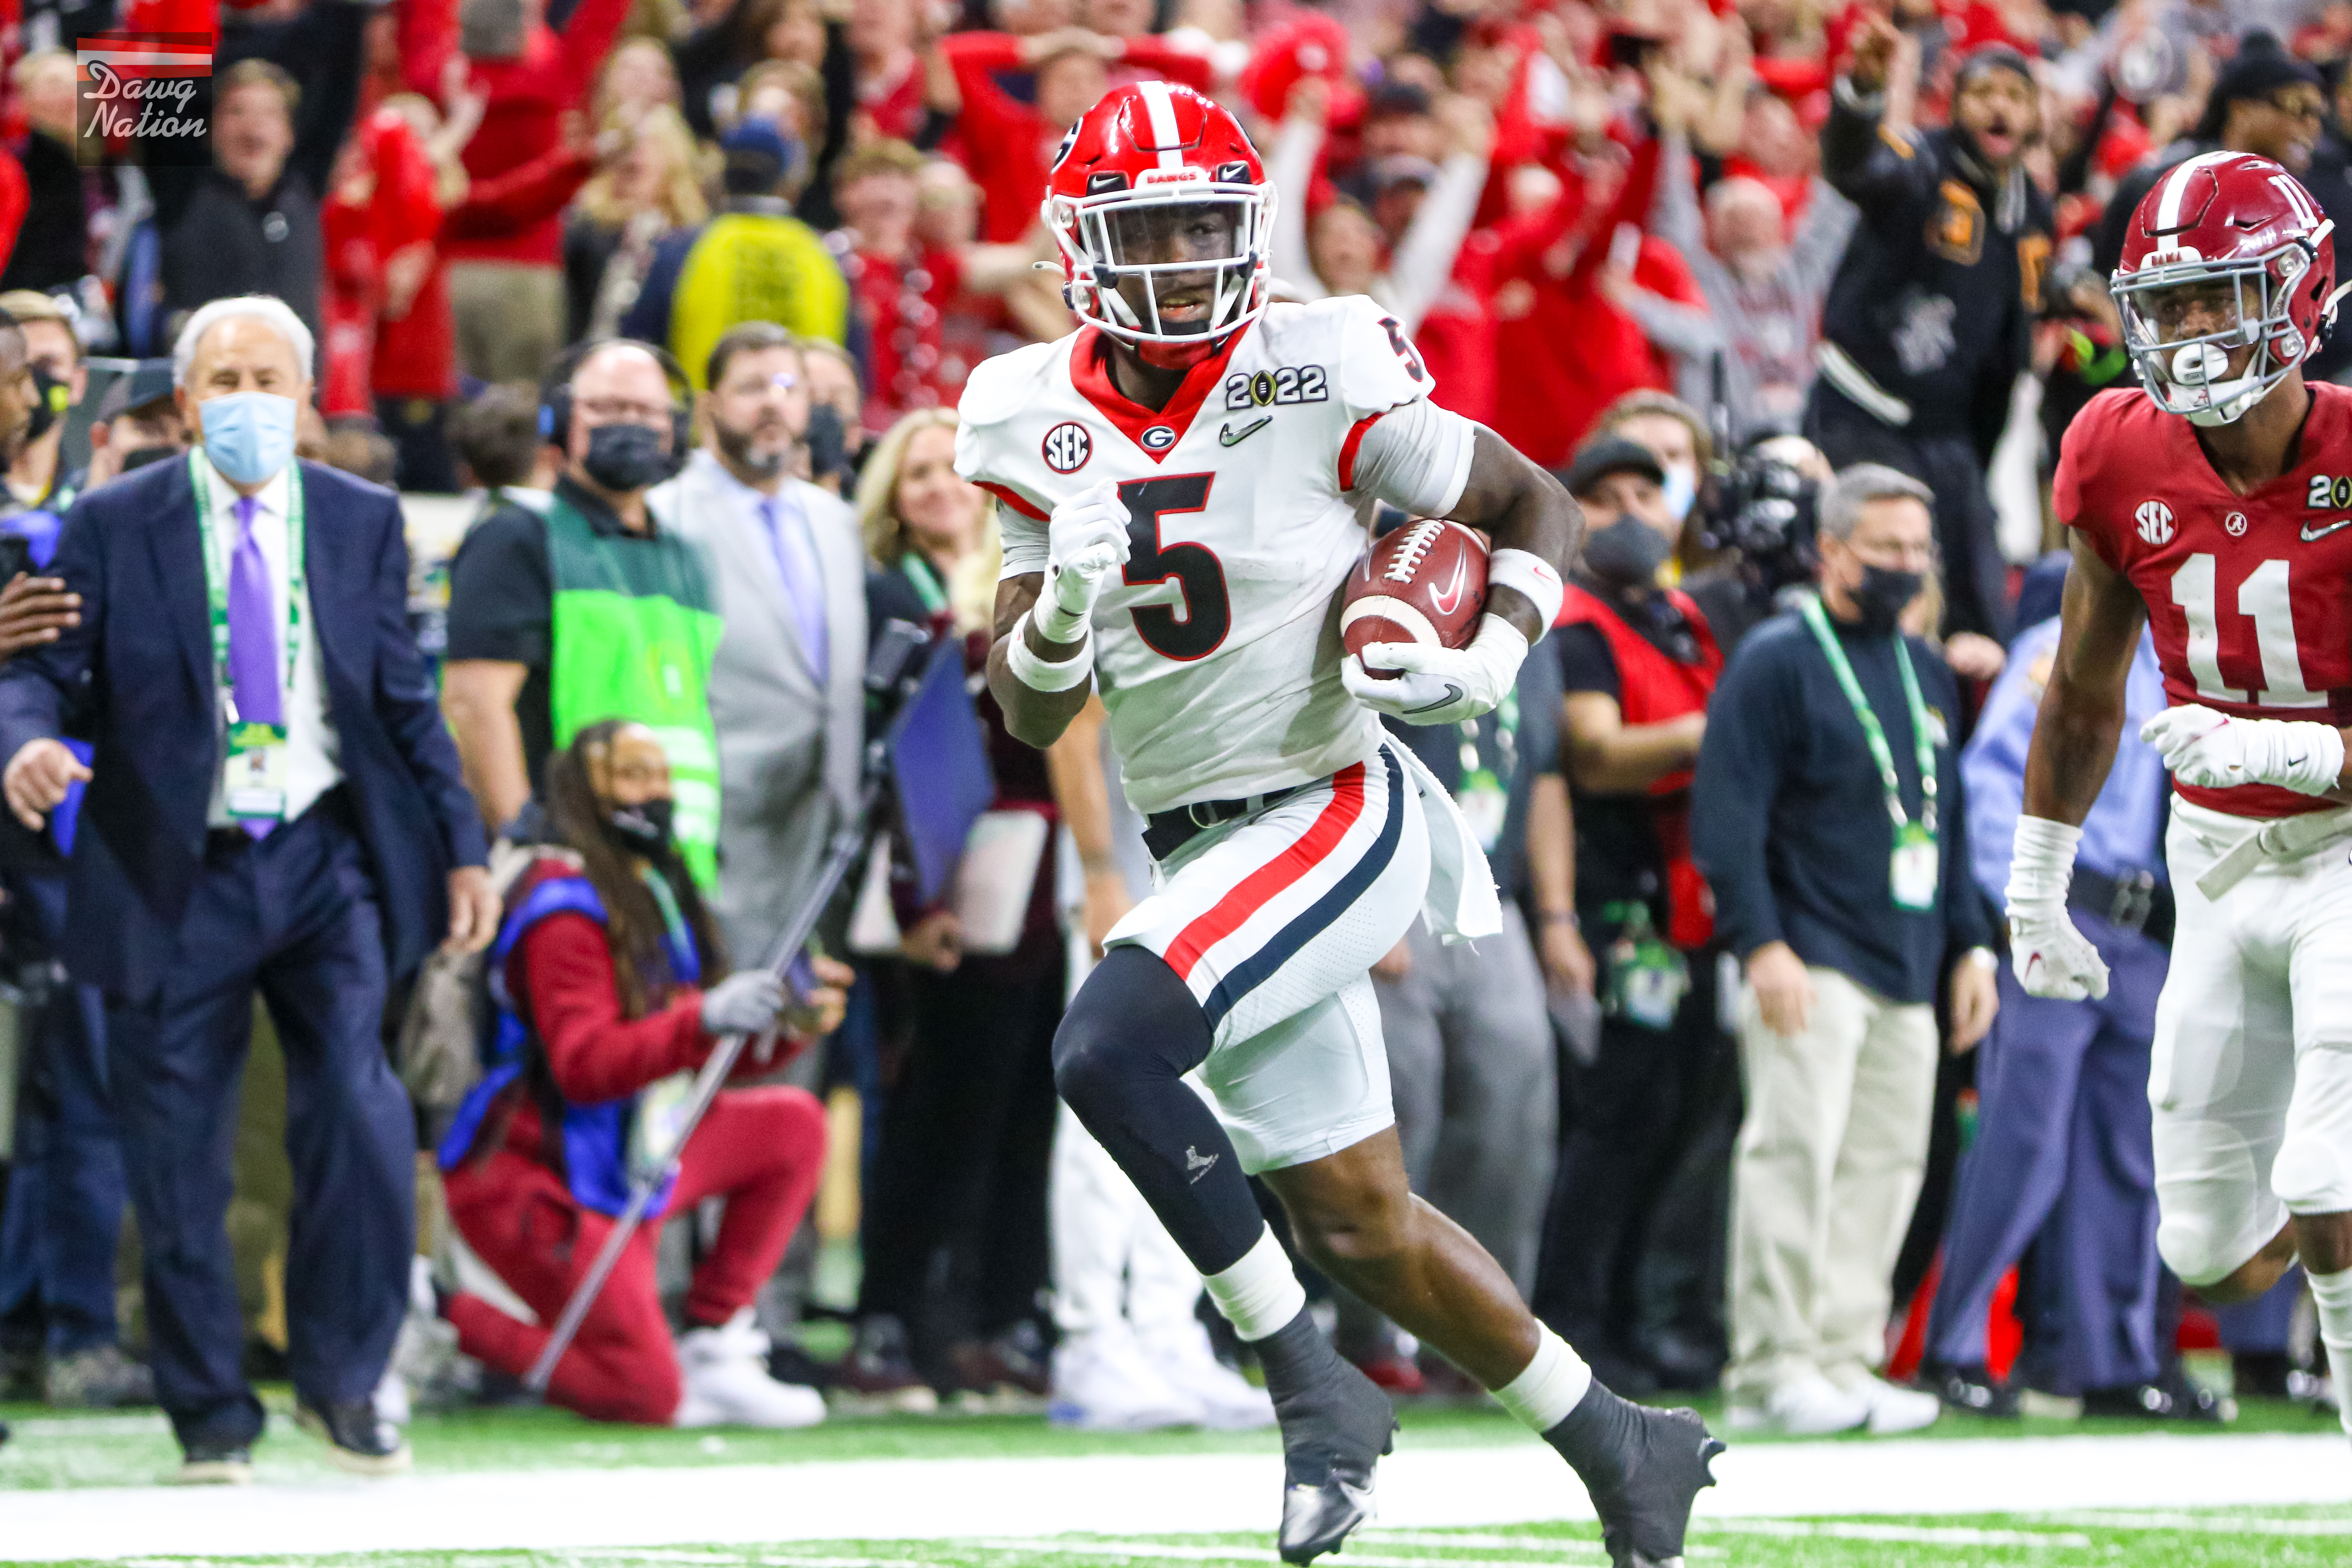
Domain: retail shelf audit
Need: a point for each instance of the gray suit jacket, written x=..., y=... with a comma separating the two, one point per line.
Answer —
x=788, y=753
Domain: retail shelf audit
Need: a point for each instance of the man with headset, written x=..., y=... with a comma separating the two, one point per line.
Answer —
x=588, y=609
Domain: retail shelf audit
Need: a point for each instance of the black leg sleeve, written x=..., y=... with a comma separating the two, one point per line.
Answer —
x=1130, y=1035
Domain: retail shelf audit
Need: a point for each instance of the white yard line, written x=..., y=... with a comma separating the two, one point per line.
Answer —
x=1129, y=1496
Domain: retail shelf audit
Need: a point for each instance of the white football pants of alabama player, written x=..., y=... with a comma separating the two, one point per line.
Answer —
x=2252, y=1078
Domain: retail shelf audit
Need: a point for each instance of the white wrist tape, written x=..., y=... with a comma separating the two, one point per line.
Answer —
x=1531, y=575
x=1048, y=675
x=1059, y=621
x=2041, y=864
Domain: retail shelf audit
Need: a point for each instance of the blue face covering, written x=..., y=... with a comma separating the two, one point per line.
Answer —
x=249, y=435
x=1682, y=490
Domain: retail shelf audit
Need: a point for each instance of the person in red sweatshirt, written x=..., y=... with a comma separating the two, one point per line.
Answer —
x=1008, y=144
x=506, y=278
x=610, y=982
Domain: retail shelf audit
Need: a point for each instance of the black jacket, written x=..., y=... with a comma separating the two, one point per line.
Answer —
x=1942, y=278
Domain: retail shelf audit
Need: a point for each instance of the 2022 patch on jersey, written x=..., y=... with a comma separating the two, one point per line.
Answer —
x=1217, y=650
x=2250, y=598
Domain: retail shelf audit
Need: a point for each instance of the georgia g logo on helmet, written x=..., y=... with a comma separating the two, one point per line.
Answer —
x=1164, y=218
x=2226, y=284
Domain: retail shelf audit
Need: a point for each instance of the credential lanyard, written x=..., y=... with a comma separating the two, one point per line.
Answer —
x=218, y=547
x=1809, y=607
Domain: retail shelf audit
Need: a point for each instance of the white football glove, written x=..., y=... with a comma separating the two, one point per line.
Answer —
x=2051, y=958
x=2216, y=751
x=1085, y=539
x=1440, y=685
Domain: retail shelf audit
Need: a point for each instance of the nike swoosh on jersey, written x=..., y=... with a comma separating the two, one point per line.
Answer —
x=2308, y=536
x=1228, y=437
x=1445, y=601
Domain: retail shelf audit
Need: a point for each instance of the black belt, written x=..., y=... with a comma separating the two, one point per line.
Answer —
x=1166, y=832
x=2136, y=902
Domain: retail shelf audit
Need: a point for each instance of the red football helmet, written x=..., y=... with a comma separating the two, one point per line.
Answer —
x=1156, y=182
x=2227, y=252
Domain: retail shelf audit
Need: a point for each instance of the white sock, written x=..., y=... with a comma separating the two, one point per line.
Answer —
x=2333, y=1294
x=1553, y=1384
x=1261, y=1293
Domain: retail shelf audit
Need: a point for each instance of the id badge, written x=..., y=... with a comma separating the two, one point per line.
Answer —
x=661, y=1117
x=254, y=786
x=1485, y=804
x=1647, y=985
x=1914, y=871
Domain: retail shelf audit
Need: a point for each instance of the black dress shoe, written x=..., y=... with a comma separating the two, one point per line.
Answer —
x=1970, y=1388
x=356, y=1439
x=212, y=1464
x=2173, y=1396
x=1686, y=1362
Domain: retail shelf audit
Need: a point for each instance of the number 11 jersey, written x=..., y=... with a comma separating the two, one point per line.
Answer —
x=2250, y=598
x=1217, y=648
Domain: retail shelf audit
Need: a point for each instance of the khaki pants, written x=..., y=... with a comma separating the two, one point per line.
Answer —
x=1827, y=1170
x=509, y=318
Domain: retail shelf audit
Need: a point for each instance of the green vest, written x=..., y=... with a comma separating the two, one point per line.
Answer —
x=633, y=635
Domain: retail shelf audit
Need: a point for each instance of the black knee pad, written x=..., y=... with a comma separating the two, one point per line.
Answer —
x=1131, y=1019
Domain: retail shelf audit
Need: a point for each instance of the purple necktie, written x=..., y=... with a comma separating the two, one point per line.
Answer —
x=252, y=635
x=795, y=551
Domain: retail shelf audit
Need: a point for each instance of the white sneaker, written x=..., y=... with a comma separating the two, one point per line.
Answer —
x=1891, y=1409
x=726, y=1382
x=1227, y=1401
x=1102, y=1382
x=1808, y=1406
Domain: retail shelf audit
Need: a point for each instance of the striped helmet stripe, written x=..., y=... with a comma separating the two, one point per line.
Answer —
x=2176, y=189
x=1161, y=108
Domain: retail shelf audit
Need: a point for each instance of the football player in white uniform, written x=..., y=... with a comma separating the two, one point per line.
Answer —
x=1186, y=483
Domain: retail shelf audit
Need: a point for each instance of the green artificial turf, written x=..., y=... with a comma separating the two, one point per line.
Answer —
x=56, y=1449
x=2271, y=1538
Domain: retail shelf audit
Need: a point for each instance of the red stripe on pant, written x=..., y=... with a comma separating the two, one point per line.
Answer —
x=761, y=1149
x=1252, y=892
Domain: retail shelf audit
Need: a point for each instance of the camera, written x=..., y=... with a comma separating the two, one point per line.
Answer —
x=1766, y=509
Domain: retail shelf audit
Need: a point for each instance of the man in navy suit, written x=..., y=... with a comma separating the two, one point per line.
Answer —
x=272, y=804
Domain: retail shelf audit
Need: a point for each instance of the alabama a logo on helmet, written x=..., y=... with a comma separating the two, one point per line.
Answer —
x=2154, y=521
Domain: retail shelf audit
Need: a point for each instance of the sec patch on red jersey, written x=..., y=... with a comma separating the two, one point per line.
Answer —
x=1424, y=582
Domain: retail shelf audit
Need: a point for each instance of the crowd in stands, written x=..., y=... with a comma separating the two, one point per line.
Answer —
x=1779, y=288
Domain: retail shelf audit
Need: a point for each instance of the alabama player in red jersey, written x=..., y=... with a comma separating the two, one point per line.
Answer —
x=2217, y=504
x=1186, y=482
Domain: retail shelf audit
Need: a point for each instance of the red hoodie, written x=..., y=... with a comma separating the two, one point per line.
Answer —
x=1006, y=143
x=528, y=98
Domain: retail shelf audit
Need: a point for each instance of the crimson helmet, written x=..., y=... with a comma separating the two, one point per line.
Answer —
x=1158, y=183
x=2238, y=235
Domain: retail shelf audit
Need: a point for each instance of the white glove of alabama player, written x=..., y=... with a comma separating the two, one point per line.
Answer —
x=1085, y=538
x=2216, y=751
x=1440, y=685
x=2051, y=958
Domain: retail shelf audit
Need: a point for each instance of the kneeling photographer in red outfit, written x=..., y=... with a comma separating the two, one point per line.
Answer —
x=609, y=982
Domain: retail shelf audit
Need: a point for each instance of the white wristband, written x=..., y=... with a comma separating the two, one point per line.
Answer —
x=1060, y=622
x=1533, y=575
x=2319, y=761
x=1047, y=675
x=2041, y=864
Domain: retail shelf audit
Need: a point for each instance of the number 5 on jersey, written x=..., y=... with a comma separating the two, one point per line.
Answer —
x=2263, y=599
x=1207, y=614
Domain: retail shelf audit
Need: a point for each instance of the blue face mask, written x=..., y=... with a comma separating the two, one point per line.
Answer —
x=249, y=435
x=1681, y=489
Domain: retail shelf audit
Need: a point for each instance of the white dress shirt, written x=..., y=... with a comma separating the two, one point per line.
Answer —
x=311, y=745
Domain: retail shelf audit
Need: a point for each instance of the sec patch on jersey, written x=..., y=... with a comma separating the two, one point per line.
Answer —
x=1424, y=582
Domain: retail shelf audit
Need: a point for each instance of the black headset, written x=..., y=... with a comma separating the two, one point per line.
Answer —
x=556, y=394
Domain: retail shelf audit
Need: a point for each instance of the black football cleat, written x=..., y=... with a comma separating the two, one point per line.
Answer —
x=1659, y=1465
x=1336, y=1425
x=357, y=1440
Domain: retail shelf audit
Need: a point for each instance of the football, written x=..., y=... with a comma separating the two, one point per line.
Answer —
x=1423, y=583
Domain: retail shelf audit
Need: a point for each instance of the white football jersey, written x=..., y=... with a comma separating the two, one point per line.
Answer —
x=1218, y=653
